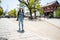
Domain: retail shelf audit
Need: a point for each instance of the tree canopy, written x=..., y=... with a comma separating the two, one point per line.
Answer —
x=1, y=11
x=32, y=5
x=0, y=1
x=58, y=12
x=12, y=13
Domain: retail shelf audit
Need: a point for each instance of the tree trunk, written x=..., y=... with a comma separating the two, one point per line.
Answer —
x=31, y=15
x=35, y=14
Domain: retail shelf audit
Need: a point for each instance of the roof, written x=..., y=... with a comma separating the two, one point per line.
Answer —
x=51, y=3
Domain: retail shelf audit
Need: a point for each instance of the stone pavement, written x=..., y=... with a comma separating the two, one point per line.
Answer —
x=40, y=27
x=9, y=30
x=53, y=21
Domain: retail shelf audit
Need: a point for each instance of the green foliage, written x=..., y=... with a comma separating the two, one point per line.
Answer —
x=1, y=11
x=41, y=11
x=32, y=5
x=0, y=1
x=21, y=5
x=58, y=12
x=31, y=2
x=12, y=13
x=37, y=6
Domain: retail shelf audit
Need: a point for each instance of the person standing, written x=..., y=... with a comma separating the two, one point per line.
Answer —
x=20, y=19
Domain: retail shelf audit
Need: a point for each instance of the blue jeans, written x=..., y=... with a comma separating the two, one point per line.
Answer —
x=21, y=24
x=20, y=19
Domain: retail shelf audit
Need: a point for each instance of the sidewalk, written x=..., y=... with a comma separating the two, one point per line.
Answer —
x=9, y=31
x=52, y=21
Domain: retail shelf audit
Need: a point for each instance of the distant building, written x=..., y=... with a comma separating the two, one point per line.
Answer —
x=50, y=8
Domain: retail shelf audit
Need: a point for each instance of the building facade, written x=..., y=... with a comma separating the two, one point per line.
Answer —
x=50, y=9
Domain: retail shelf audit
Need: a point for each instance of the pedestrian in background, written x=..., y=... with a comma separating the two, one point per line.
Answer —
x=20, y=19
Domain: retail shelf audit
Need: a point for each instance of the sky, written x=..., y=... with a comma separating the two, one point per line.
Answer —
x=11, y=4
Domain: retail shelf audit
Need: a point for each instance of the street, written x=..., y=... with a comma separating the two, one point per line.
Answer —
x=34, y=30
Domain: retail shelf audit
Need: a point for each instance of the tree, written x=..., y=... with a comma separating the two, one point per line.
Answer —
x=12, y=13
x=36, y=8
x=58, y=12
x=1, y=11
x=0, y=2
x=30, y=5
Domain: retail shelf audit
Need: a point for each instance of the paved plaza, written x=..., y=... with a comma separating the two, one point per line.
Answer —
x=54, y=21
x=34, y=30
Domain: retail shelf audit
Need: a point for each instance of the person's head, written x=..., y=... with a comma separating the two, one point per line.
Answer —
x=20, y=9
